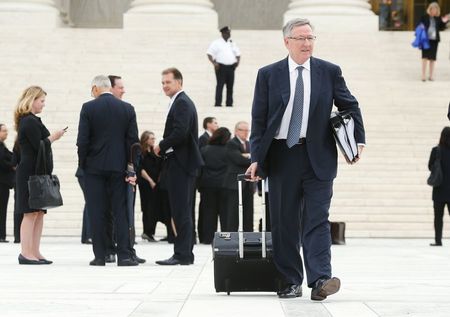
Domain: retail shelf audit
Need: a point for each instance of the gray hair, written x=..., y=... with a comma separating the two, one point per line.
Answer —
x=238, y=124
x=291, y=24
x=101, y=81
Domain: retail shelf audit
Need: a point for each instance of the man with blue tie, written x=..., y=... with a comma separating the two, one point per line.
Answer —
x=292, y=143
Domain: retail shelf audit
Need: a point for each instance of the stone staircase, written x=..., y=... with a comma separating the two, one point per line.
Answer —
x=384, y=195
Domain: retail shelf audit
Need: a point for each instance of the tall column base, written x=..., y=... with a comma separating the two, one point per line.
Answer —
x=163, y=15
x=334, y=15
x=29, y=13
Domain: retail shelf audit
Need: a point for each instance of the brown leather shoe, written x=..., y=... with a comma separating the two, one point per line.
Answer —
x=325, y=288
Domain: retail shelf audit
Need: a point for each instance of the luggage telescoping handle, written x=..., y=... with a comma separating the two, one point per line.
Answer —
x=242, y=178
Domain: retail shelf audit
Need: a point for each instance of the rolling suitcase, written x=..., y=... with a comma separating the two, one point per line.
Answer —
x=243, y=261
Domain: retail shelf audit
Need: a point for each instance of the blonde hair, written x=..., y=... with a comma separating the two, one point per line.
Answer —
x=25, y=103
x=434, y=5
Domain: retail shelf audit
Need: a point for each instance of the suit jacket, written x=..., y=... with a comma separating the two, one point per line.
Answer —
x=448, y=114
x=106, y=131
x=271, y=97
x=6, y=166
x=181, y=134
x=442, y=192
x=237, y=164
x=203, y=140
x=439, y=24
x=215, y=168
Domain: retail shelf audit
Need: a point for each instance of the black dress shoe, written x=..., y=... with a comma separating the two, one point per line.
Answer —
x=436, y=244
x=138, y=259
x=110, y=258
x=87, y=241
x=4, y=241
x=173, y=261
x=127, y=262
x=291, y=291
x=24, y=260
x=45, y=261
x=97, y=262
x=325, y=287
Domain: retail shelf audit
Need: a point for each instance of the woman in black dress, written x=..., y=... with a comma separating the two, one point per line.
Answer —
x=433, y=23
x=441, y=193
x=148, y=179
x=30, y=131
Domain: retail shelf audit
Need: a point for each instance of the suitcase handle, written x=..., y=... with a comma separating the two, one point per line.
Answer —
x=241, y=178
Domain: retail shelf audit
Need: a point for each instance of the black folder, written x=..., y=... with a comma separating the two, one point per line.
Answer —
x=343, y=127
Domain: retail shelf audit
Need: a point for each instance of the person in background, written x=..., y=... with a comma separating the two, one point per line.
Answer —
x=433, y=23
x=17, y=216
x=238, y=156
x=211, y=184
x=7, y=174
x=225, y=56
x=148, y=179
x=30, y=132
x=179, y=147
x=441, y=194
x=209, y=125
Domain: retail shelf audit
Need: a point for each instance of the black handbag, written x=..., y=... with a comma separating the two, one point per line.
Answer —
x=43, y=189
x=436, y=176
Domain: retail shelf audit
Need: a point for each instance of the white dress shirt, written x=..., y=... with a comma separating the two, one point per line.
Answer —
x=224, y=52
x=293, y=74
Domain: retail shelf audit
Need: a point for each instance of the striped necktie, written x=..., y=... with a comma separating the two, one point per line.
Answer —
x=295, y=125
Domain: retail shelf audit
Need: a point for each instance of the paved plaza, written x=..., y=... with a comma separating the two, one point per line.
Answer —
x=380, y=277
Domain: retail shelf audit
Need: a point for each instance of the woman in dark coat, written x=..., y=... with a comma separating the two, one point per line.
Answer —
x=6, y=179
x=148, y=179
x=30, y=131
x=433, y=23
x=441, y=194
x=211, y=183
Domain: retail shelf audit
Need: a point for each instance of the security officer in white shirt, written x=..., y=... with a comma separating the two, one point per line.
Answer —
x=224, y=55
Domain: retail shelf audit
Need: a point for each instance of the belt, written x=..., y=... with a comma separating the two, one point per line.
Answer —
x=300, y=141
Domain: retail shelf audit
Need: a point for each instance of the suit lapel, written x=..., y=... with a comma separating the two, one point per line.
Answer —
x=284, y=82
x=316, y=77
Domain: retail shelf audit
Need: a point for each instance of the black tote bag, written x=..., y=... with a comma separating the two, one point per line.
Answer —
x=436, y=176
x=44, y=191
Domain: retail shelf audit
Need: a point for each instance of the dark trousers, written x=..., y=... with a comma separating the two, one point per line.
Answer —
x=299, y=204
x=150, y=209
x=167, y=215
x=438, y=215
x=17, y=220
x=86, y=225
x=4, y=197
x=105, y=189
x=232, y=205
x=180, y=187
x=212, y=207
x=225, y=76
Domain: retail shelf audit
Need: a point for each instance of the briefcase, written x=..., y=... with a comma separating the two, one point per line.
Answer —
x=337, y=232
x=343, y=127
x=243, y=261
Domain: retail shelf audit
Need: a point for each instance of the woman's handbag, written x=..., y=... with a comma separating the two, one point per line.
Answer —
x=436, y=176
x=43, y=188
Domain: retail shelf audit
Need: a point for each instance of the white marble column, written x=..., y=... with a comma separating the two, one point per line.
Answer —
x=171, y=14
x=335, y=15
x=28, y=13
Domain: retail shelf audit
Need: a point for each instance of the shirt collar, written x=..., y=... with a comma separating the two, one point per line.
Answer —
x=293, y=65
x=174, y=97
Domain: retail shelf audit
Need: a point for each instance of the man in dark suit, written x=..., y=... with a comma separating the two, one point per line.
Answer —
x=210, y=125
x=106, y=131
x=7, y=174
x=238, y=157
x=179, y=147
x=292, y=143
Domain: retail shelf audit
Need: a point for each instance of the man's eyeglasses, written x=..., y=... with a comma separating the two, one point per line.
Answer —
x=302, y=39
